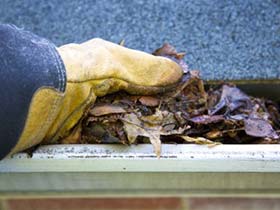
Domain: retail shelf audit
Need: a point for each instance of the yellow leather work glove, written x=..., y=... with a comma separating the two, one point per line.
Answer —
x=93, y=68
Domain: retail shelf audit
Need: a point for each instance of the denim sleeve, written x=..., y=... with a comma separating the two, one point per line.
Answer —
x=27, y=62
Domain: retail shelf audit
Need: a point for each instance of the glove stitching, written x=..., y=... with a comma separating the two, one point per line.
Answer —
x=61, y=78
x=51, y=115
x=56, y=66
x=103, y=78
x=53, y=106
x=59, y=68
x=82, y=106
x=135, y=87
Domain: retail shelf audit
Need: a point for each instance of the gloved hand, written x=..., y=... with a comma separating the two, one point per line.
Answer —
x=94, y=68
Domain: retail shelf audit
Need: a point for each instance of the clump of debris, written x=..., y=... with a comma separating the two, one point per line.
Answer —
x=187, y=114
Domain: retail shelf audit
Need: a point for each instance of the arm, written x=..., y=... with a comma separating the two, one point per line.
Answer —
x=29, y=65
x=46, y=90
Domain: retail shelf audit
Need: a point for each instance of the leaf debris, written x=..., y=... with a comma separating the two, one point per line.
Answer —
x=189, y=114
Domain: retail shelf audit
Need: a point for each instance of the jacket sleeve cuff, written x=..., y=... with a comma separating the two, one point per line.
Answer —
x=27, y=62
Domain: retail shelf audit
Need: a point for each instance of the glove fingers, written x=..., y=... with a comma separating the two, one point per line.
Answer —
x=130, y=65
x=107, y=86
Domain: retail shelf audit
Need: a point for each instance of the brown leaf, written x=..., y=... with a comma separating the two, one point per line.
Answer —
x=106, y=109
x=169, y=51
x=134, y=127
x=149, y=101
x=274, y=113
x=159, y=118
x=200, y=140
x=214, y=134
x=266, y=141
x=152, y=126
x=102, y=133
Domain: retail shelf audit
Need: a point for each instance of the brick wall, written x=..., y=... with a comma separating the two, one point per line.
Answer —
x=141, y=204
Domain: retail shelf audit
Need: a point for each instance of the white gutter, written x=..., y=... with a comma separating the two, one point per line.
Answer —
x=141, y=158
x=118, y=171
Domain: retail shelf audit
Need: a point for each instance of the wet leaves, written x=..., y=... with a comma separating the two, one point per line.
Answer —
x=187, y=114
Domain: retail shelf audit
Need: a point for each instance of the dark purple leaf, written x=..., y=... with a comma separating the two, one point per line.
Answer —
x=259, y=127
x=207, y=119
x=232, y=98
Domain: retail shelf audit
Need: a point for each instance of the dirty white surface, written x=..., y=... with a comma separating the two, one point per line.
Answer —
x=141, y=158
x=118, y=171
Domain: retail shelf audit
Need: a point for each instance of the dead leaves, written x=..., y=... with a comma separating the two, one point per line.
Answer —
x=135, y=128
x=200, y=140
x=149, y=101
x=207, y=119
x=105, y=110
x=187, y=114
x=259, y=128
x=232, y=98
x=169, y=51
x=152, y=127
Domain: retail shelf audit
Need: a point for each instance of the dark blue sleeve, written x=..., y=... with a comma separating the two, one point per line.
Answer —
x=27, y=62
